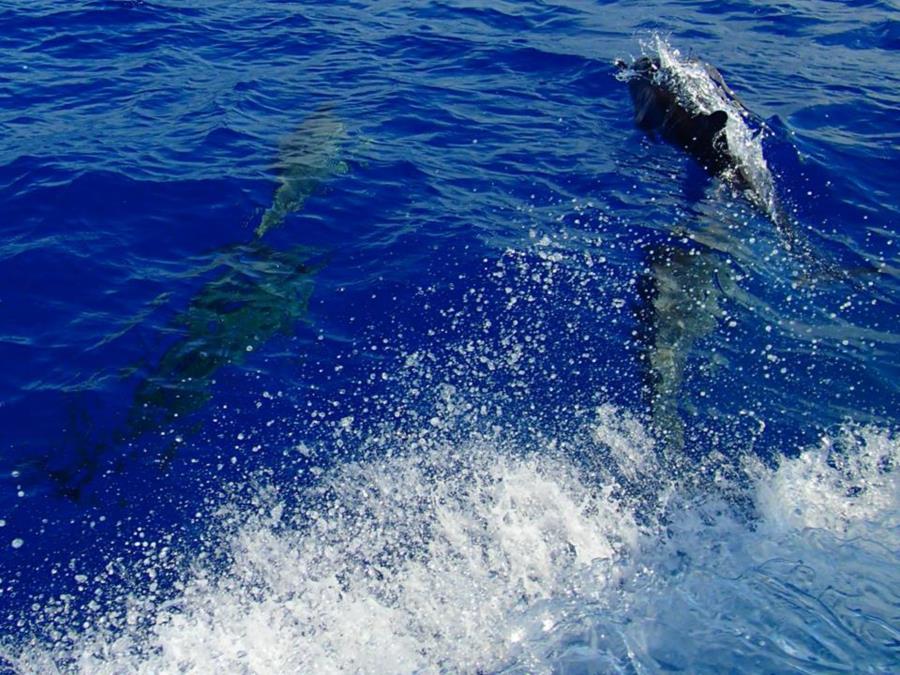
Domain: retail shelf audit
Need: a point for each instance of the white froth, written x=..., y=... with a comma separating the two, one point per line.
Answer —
x=472, y=557
x=410, y=563
x=467, y=541
x=847, y=486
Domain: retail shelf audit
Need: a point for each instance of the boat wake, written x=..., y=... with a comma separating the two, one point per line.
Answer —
x=466, y=553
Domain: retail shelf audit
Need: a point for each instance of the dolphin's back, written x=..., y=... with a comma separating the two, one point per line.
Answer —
x=306, y=158
x=658, y=109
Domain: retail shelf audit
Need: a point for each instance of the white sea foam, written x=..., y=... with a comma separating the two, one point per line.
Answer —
x=473, y=556
x=846, y=486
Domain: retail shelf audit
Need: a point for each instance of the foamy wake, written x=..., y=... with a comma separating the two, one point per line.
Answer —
x=467, y=555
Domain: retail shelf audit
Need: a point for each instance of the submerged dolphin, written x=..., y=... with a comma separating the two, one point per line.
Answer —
x=306, y=158
x=260, y=293
x=683, y=295
x=257, y=293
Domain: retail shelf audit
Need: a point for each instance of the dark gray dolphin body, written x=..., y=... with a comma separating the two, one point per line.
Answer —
x=687, y=103
x=659, y=109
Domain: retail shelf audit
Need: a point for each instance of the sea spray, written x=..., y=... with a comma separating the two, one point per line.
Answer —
x=475, y=556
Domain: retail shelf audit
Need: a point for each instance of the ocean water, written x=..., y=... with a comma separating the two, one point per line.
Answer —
x=375, y=337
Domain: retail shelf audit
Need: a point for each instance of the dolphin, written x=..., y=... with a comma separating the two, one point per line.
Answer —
x=683, y=292
x=257, y=292
x=307, y=157
x=260, y=293
x=691, y=106
x=686, y=102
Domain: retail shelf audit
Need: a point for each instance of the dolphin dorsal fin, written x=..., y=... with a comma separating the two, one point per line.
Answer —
x=715, y=122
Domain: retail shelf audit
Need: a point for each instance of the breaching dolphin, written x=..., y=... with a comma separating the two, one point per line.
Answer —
x=688, y=104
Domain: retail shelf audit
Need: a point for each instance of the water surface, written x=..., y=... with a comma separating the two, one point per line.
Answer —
x=374, y=336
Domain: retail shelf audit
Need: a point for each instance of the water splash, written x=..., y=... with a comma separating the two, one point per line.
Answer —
x=473, y=555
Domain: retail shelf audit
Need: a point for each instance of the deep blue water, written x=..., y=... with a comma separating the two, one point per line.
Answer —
x=466, y=293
